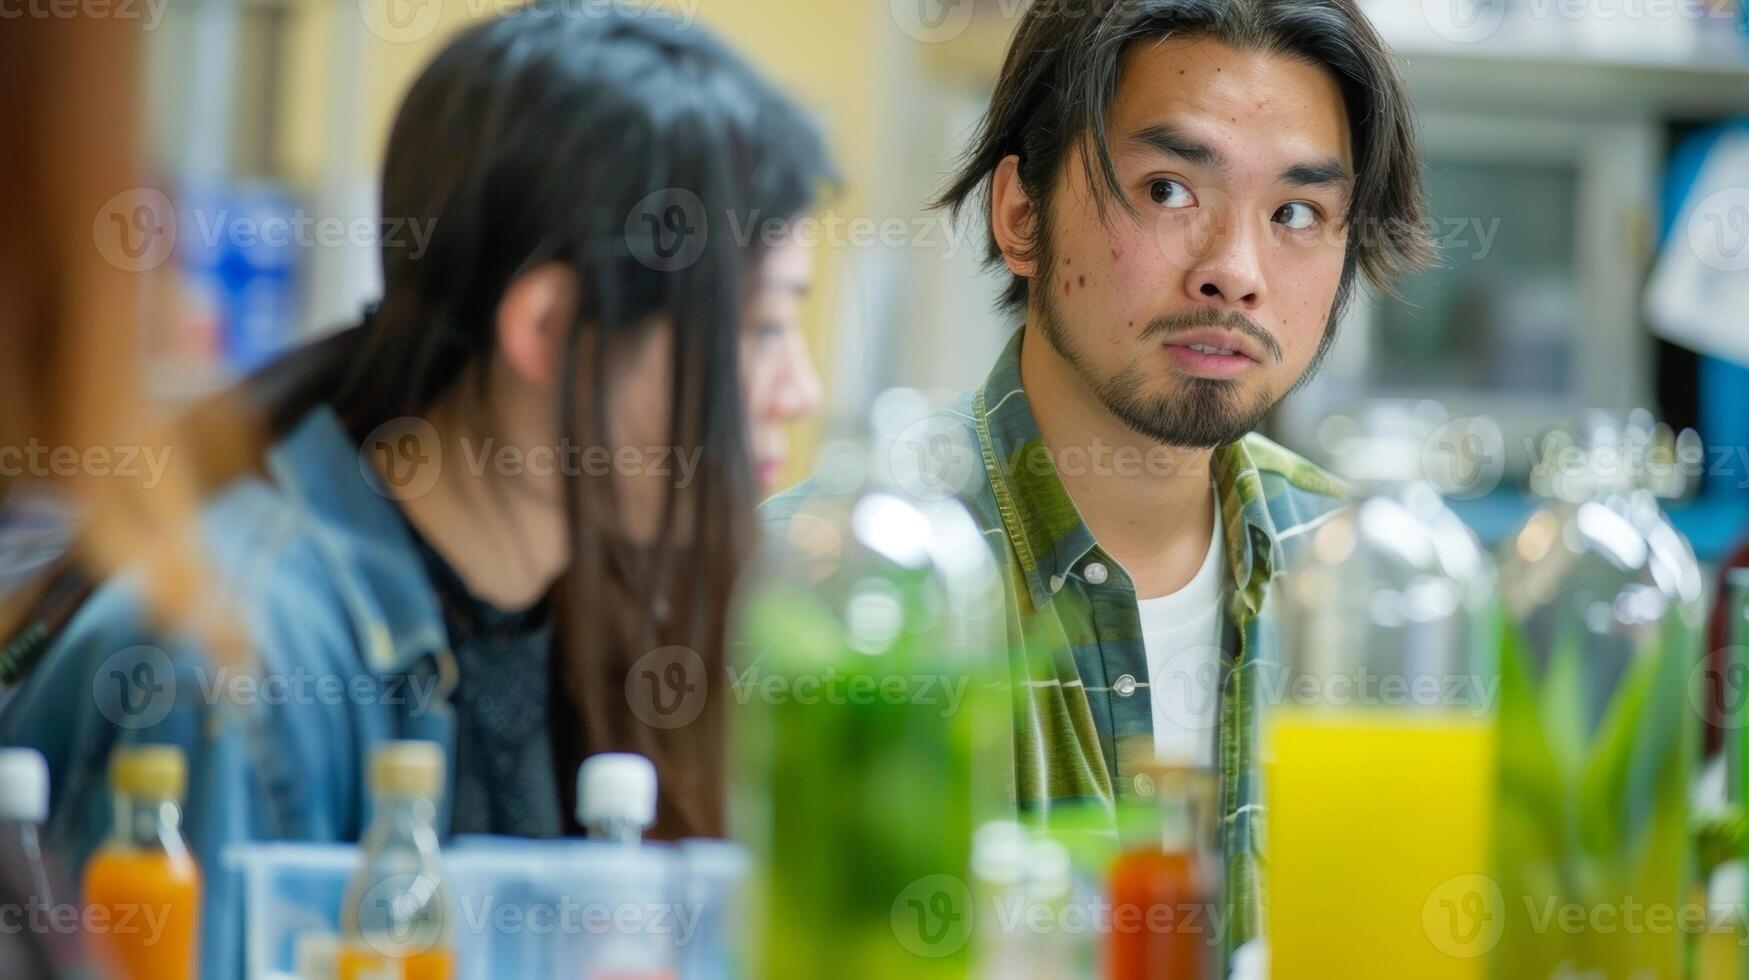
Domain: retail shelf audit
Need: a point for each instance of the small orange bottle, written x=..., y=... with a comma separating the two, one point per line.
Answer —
x=396, y=920
x=1163, y=887
x=142, y=887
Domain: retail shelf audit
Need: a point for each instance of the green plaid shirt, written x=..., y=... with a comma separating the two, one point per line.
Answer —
x=1084, y=722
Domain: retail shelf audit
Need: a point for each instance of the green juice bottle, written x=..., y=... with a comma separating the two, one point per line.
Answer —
x=870, y=721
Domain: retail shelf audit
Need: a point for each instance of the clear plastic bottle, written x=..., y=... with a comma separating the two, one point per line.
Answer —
x=1022, y=886
x=32, y=878
x=616, y=797
x=1000, y=890
x=396, y=920
x=616, y=804
x=871, y=719
x=144, y=870
x=1050, y=881
x=1604, y=602
x=1381, y=718
x=24, y=805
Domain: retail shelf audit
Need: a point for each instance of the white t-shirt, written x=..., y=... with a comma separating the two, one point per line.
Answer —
x=1182, y=635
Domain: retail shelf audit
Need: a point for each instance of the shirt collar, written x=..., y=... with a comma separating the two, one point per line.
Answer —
x=1050, y=538
x=319, y=464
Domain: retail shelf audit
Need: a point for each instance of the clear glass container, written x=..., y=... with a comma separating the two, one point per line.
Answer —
x=871, y=718
x=1603, y=597
x=1380, y=716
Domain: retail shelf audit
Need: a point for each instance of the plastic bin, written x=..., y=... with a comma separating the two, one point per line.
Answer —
x=526, y=909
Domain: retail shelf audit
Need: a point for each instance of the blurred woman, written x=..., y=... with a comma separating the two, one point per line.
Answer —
x=70, y=332
x=516, y=496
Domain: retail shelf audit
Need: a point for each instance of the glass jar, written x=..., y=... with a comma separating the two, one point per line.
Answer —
x=1603, y=597
x=871, y=720
x=1379, y=730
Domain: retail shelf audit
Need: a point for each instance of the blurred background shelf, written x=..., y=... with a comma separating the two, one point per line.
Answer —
x=1592, y=83
x=1553, y=153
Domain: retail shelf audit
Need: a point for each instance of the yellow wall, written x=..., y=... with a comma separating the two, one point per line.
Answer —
x=818, y=50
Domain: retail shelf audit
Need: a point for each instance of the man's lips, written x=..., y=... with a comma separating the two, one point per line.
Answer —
x=1213, y=354
x=1217, y=343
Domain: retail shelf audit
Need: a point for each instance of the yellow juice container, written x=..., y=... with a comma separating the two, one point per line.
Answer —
x=1378, y=725
x=1379, y=844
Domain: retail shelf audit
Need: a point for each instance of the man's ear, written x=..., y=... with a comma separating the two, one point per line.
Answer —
x=533, y=319
x=1013, y=219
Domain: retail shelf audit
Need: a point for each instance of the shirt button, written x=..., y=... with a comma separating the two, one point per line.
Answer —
x=1144, y=784
x=1096, y=573
x=1124, y=686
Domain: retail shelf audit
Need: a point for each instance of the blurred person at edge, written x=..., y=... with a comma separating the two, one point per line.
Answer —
x=71, y=326
x=582, y=289
x=1182, y=195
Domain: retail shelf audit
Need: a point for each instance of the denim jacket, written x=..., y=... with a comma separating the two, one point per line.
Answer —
x=346, y=649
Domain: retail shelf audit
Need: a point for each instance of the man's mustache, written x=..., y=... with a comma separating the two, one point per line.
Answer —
x=1171, y=324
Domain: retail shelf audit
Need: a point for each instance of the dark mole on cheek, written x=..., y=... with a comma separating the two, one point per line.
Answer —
x=1065, y=287
x=1081, y=281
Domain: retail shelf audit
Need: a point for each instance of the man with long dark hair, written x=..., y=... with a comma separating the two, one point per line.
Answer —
x=1181, y=194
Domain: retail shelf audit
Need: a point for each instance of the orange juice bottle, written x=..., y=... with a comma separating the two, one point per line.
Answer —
x=395, y=922
x=142, y=888
x=1164, y=885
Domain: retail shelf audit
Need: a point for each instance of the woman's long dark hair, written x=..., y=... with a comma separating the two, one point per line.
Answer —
x=636, y=151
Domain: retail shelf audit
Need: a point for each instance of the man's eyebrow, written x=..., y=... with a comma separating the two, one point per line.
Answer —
x=1164, y=138
x=1167, y=140
x=1329, y=172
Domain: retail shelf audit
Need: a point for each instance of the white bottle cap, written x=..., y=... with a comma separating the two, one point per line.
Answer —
x=24, y=785
x=999, y=851
x=616, y=787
